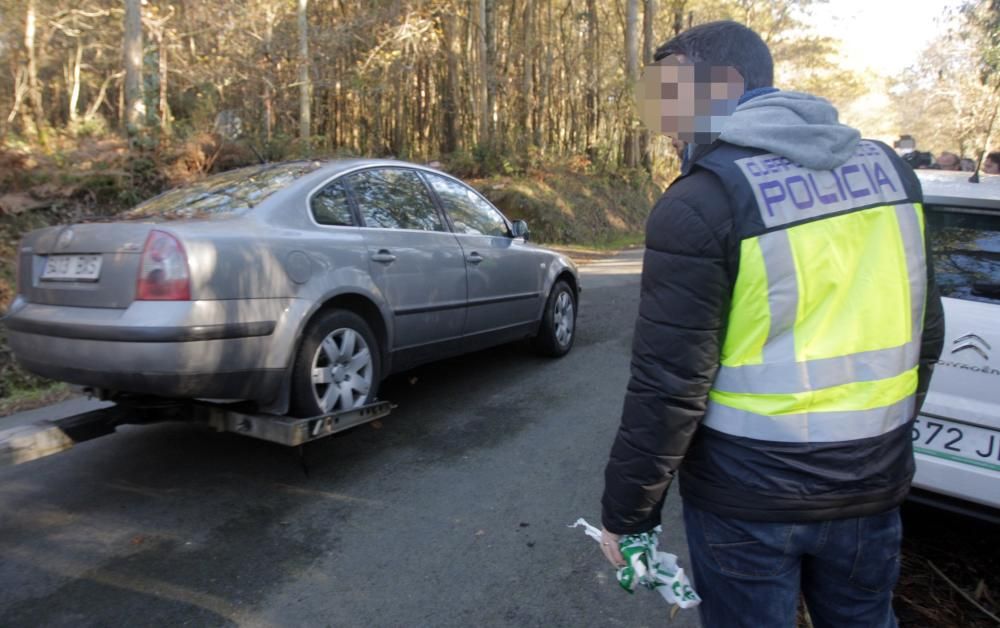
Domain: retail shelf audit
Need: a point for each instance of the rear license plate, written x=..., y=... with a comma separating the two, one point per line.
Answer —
x=970, y=444
x=72, y=268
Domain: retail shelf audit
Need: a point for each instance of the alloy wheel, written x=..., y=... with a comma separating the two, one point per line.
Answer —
x=563, y=318
x=342, y=371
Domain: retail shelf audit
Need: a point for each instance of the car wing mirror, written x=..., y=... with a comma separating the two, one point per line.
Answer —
x=520, y=229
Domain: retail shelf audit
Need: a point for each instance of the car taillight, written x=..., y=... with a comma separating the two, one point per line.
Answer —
x=163, y=273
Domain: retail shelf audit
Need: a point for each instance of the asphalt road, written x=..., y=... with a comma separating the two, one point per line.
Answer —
x=452, y=511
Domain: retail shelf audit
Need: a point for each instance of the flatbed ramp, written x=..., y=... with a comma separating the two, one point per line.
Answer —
x=47, y=437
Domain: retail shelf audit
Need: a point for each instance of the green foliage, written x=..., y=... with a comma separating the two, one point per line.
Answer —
x=462, y=164
x=14, y=380
x=984, y=17
x=492, y=161
x=144, y=180
x=92, y=127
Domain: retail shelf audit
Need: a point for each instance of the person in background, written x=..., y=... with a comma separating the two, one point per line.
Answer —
x=918, y=160
x=948, y=161
x=781, y=350
x=991, y=165
x=905, y=145
x=968, y=165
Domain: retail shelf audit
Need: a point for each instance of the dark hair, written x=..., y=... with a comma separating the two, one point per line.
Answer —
x=725, y=43
x=917, y=159
x=994, y=157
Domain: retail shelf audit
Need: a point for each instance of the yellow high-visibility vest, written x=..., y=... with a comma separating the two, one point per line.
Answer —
x=823, y=337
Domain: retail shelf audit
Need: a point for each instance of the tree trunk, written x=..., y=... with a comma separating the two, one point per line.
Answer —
x=305, y=86
x=74, y=95
x=164, y=105
x=648, y=46
x=631, y=147
x=449, y=92
x=648, y=36
x=542, y=113
x=135, y=107
x=99, y=99
x=484, y=18
x=491, y=71
x=20, y=88
x=34, y=90
x=268, y=98
x=527, y=74
x=592, y=93
x=676, y=9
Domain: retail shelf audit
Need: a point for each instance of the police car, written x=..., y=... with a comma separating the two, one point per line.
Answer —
x=956, y=438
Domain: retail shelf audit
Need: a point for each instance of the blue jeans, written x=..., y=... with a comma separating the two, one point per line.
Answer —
x=750, y=573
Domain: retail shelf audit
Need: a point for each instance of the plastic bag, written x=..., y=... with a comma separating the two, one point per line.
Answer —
x=648, y=567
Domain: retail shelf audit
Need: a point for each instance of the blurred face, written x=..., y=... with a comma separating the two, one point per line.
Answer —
x=991, y=167
x=688, y=101
x=947, y=161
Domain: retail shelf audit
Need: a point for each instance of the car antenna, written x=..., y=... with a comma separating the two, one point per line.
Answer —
x=975, y=175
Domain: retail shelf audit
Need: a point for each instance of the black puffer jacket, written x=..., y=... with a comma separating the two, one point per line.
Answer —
x=690, y=268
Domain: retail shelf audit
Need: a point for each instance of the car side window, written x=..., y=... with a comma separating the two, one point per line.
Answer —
x=965, y=247
x=330, y=206
x=394, y=198
x=469, y=213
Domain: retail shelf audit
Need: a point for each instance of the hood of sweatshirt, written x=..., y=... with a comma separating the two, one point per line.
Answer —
x=798, y=126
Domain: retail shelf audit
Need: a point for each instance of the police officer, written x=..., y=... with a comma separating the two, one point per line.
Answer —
x=787, y=328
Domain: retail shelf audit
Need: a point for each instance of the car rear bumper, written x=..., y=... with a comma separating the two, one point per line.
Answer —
x=957, y=480
x=257, y=385
x=235, y=349
x=83, y=331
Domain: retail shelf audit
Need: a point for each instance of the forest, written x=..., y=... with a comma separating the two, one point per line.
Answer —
x=104, y=103
x=485, y=86
x=490, y=84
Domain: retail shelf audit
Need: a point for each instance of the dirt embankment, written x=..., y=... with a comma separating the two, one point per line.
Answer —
x=566, y=207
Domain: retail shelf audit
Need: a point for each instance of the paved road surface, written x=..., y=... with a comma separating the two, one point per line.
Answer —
x=452, y=513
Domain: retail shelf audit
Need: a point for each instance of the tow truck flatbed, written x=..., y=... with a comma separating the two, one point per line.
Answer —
x=47, y=437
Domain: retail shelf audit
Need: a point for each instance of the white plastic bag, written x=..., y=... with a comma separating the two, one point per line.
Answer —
x=648, y=566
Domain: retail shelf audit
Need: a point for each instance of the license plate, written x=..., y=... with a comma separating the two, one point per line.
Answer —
x=72, y=268
x=978, y=446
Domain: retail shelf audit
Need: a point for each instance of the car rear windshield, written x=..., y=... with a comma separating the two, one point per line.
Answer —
x=222, y=195
x=965, y=245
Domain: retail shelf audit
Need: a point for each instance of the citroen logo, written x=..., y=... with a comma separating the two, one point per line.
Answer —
x=65, y=238
x=972, y=342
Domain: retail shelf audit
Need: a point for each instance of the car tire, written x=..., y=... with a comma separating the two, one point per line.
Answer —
x=338, y=366
x=558, y=328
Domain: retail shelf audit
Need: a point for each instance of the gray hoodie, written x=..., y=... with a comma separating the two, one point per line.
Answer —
x=798, y=126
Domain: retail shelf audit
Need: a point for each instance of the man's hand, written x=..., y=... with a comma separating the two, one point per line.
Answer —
x=609, y=545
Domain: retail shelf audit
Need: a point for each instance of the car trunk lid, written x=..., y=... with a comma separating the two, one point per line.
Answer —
x=82, y=265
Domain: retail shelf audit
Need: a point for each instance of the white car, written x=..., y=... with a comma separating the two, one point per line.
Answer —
x=956, y=438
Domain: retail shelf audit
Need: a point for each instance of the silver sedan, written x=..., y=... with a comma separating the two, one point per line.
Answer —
x=298, y=286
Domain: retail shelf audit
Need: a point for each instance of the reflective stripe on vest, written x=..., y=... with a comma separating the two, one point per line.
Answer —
x=815, y=427
x=824, y=332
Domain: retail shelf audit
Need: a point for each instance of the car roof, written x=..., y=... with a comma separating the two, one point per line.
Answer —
x=333, y=166
x=943, y=187
x=336, y=166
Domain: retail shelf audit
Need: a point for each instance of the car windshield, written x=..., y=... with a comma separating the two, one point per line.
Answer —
x=223, y=195
x=966, y=251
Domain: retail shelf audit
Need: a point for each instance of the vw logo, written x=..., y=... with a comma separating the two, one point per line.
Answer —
x=971, y=342
x=64, y=239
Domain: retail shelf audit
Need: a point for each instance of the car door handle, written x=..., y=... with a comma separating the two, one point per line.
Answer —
x=384, y=256
x=474, y=258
